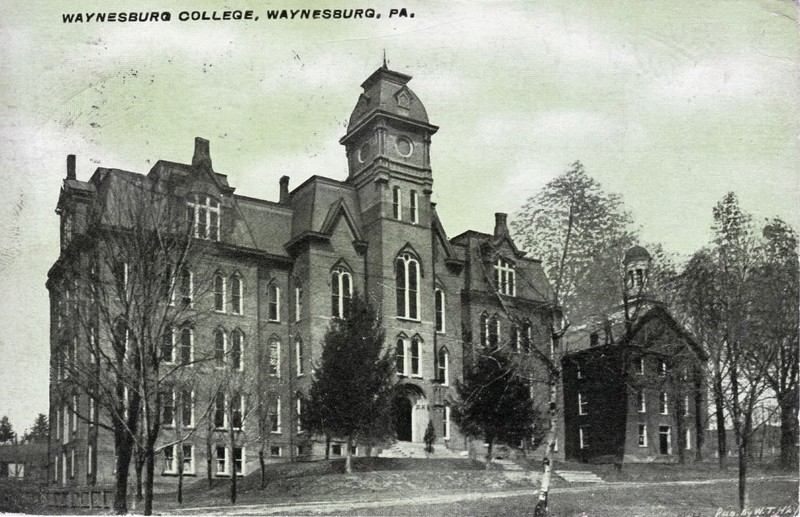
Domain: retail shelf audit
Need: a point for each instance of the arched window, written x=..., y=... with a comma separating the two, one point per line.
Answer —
x=443, y=366
x=439, y=303
x=527, y=338
x=187, y=345
x=187, y=287
x=341, y=293
x=237, y=342
x=219, y=292
x=407, y=286
x=415, y=350
x=298, y=302
x=274, y=302
x=236, y=295
x=505, y=277
x=414, y=209
x=397, y=208
x=484, y=329
x=494, y=331
x=274, y=358
x=298, y=351
x=202, y=214
x=298, y=400
x=400, y=356
x=219, y=347
x=514, y=338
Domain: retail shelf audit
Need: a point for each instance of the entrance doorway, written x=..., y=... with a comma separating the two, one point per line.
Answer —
x=664, y=441
x=401, y=412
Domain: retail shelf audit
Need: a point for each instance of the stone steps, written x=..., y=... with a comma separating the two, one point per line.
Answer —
x=579, y=476
x=417, y=450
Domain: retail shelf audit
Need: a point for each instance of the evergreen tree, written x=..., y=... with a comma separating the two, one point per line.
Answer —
x=495, y=404
x=39, y=431
x=7, y=433
x=351, y=393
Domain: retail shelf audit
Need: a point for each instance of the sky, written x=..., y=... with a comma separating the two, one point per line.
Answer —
x=669, y=104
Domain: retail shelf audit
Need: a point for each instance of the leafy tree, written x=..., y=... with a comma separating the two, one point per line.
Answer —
x=494, y=402
x=7, y=433
x=39, y=431
x=430, y=438
x=351, y=393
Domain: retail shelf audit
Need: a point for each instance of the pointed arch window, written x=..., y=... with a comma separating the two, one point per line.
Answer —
x=274, y=358
x=219, y=292
x=397, y=208
x=168, y=346
x=527, y=337
x=407, y=286
x=484, y=330
x=413, y=201
x=237, y=345
x=274, y=302
x=236, y=295
x=414, y=355
x=298, y=349
x=515, y=338
x=187, y=345
x=400, y=356
x=341, y=293
x=219, y=347
x=443, y=366
x=494, y=331
x=439, y=302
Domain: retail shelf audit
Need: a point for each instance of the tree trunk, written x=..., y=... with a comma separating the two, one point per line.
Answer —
x=544, y=485
x=489, y=455
x=743, y=446
x=123, y=451
x=348, y=467
x=209, y=460
x=180, y=473
x=263, y=466
x=150, y=466
x=138, y=466
x=722, y=446
x=232, y=436
x=327, y=447
x=788, y=442
x=698, y=424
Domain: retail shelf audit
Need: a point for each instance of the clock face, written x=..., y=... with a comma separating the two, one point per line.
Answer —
x=404, y=146
x=363, y=152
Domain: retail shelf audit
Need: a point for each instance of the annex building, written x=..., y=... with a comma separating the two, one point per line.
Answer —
x=271, y=277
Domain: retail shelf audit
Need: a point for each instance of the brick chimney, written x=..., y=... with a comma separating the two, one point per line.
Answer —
x=500, y=227
x=70, y=166
x=284, y=182
x=202, y=154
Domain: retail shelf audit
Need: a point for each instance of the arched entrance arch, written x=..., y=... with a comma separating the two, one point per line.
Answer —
x=401, y=414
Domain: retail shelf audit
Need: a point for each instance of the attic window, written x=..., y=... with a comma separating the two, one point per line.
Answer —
x=403, y=100
x=505, y=277
x=202, y=214
x=594, y=339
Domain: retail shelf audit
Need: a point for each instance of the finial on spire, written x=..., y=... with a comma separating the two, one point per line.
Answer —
x=384, y=59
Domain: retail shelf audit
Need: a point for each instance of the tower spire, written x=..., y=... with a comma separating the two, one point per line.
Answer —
x=384, y=59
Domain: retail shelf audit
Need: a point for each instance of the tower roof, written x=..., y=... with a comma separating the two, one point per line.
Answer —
x=636, y=253
x=385, y=91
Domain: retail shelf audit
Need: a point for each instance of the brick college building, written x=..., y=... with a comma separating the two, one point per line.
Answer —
x=279, y=271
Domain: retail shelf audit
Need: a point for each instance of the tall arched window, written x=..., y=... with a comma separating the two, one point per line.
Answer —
x=443, y=366
x=274, y=358
x=484, y=329
x=236, y=295
x=397, y=209
x=219, y=292
x=514, y=338
x=494, y=331
x=219, y=347
x=237, y=342
x=407, y=286
x=298, y=351
x=341, y=293
x=274, y=302
x=439, y=303
x=400, y=356
x=415, y=350
x=527, y=337
x=187, y=342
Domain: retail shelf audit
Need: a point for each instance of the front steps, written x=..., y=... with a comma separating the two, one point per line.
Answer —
x=578, y=476
x=417, y=450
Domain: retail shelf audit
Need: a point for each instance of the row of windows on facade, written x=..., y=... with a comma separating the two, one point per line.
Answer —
x=407, y=359
x=520, y=339
x=662, y=371
x=665, y=438
x=413, y=205
x=641, y=403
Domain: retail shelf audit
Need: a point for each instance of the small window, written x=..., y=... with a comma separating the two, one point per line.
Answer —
x=662, y=368
x=220, y=417
x=527, y=337
x=237, y=305
x=663, y=406
x=298, y=408
x=298, y=303
x=219, y=292
x=415, y=356
x=484, y=330
x=400, y=357
x=640, y=369
x=167, y=346
x=446, y=422
x=298, y=351
x=443, y=366
x=275, y=451
x=685, y=405
x=582, y=404
x=494, y=331
x=168, y=408
x=169, y=459
x=237, y=411
x=274, y=358
x=187, y=288
x=688, y=440
x=237, y=340
x=220, y=346
x=222, y=461
x=439, y=302
x=583, y=437
x=642, y=435
x=578, y=371
x=274, y=303
x=414, y=209
x=187, y=408
x=642, y=402
x=238, y=460
x=396, y=204
x=505, y=277
x=188, y=458
x=90, y=460
x=336, y=449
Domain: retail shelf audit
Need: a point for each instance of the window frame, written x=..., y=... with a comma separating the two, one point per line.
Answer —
x=220, y=354
x=298, y=303
x=219, y=292
x=409, y=265
x=187, y=329
x=443, y=366
x=197, y=204
x=440, y=310
x=225, y=461
x=237, y=356
x=298, y=356
x=642, y=435
x=169, y=460
x=583, y=405
x=641, y=402
x=341, y=292
x=505, y=276
x=414, y=355
x=413, y=206
x=400, y=356
x=237, y=299
x=663, y=403
x=273, y=303
x=274, y=369
x=583, y=437
x=397, y=204
x=275, y=427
